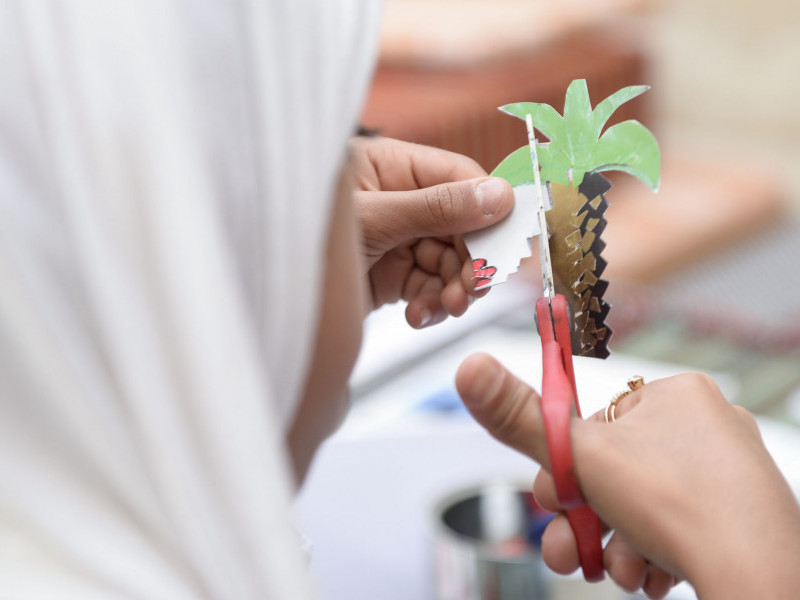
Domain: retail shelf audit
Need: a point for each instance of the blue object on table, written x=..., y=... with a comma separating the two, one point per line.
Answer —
x=443, y=401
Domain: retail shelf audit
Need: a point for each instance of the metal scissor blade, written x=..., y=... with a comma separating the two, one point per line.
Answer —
x=548, y=287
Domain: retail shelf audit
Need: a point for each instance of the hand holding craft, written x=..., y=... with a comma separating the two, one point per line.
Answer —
x=682, y=478
x=413, y=202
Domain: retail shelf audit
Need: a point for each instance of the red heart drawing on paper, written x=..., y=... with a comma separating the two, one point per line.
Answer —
x=482, y=272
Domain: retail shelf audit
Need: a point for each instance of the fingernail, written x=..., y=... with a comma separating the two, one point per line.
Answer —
x=485, y=386
x=490, y=195
x=425, y=317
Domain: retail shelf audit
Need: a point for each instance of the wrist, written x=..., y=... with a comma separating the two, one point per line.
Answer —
x=750, y=577
x=756, y=557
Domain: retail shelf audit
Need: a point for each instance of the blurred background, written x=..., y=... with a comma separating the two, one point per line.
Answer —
x=703, y=275
x=716, y=247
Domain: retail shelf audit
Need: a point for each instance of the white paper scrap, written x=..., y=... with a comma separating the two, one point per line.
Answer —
x=497, y=250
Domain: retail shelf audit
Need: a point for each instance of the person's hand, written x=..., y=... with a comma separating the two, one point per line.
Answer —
x=682, y=478
x=413, y=202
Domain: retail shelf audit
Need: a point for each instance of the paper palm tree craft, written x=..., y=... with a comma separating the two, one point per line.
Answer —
x=571, y=163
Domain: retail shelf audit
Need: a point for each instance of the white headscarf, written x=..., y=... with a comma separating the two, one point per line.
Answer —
x=166, y=172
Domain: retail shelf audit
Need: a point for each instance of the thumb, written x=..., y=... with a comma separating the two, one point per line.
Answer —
x=504, y=405
x=446, y=209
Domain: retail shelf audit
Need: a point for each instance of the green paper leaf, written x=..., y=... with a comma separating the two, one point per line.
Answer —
x=577, y=120
x=631, y=148
x=576, y=147
x=604, y=110
x=545, y=118
x=516, y=168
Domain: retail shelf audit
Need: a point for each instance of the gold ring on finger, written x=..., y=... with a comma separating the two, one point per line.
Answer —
x=610, y=413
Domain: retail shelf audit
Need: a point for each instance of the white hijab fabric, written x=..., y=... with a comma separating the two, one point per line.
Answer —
x=166, y=172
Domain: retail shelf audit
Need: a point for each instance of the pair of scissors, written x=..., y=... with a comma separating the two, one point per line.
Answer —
x=560, y=397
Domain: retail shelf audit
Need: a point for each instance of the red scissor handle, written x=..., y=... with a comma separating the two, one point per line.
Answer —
x=559, y=399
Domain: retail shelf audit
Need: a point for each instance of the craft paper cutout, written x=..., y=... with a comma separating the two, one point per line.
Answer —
x=576, y=146
x=498, y=249
x=570, y=165
x=576, y=223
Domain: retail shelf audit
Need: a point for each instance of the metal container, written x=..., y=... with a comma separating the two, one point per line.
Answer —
x=486, y=545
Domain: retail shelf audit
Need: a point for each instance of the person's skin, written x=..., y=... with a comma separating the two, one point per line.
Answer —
x=394, y=235
x=412, y=203
x=682, y=478
x=325, y=398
